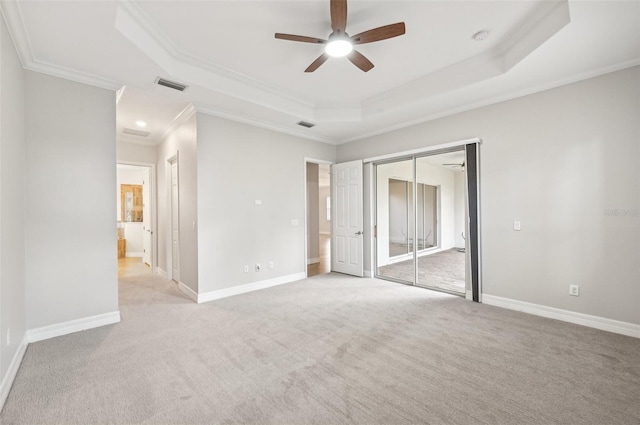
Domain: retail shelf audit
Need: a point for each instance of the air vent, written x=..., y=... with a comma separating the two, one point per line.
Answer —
x=171, y=84
x=135, y=132
x=306, y=124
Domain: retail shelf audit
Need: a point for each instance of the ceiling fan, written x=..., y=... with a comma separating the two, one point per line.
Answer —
x=340, y=44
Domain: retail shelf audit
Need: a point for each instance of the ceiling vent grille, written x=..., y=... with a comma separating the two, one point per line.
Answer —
x=135, y=132
x=306, y=124
x=171, y=84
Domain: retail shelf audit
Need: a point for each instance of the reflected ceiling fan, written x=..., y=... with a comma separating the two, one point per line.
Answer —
x=456, y=165
x=340, y=44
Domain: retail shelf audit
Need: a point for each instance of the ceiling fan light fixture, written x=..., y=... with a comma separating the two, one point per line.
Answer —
x=338, y=46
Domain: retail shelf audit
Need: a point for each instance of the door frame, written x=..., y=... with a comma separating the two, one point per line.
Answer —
x=169, y=246
x=306, y=224
x=152, y=208
x=475, y=293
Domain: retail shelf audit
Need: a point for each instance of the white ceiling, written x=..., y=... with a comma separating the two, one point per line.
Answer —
x=226, y=53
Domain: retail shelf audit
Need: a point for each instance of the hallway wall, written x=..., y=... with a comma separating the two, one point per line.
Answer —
x=71, y=247
x=13, y=315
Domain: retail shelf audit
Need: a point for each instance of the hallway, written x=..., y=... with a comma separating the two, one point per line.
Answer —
x=324, y=265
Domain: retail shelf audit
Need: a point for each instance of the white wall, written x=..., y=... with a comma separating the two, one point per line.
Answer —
x=238, y=164
x=566, y=163
x=325, y=225
x=182, y=141
x=313, y=219
x=71, y=247
x=13, y=319
x=131, y=152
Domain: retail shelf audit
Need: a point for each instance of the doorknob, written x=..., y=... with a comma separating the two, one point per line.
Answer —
x=359, y=232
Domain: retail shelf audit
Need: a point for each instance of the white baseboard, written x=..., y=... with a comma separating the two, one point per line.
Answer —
x=161, y=272
x=610, y=325
x=249, y=287
x=193, y=295
x=312, y=261
x=325, y=233
x=368, y=273
x=469, y=295
x=7, y=380
x=134, y=254
x=64, y=328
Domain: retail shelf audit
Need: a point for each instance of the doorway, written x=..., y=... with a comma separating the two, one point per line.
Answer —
x=135, y=218
x=422, y=218
x=318, y=218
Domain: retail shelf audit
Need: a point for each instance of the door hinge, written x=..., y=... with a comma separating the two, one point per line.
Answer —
x=375, y=231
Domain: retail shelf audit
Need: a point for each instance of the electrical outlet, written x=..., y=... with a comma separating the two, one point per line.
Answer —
x=574, y=290
x=270, y=264
x=246, y=269
x=8, y=336
x=516, y=225
x=258, y=267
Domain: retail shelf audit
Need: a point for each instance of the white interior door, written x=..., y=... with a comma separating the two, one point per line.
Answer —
x=347, y=218
x=146, y=218
x=175, y=227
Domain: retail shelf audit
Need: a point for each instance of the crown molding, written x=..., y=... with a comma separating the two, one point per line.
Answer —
x=268, y=126
x=498, y=99
x=182, y=117
x=15, y=22
x=134, y=24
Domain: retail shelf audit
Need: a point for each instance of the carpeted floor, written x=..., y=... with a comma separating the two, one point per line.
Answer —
x=442, y=270
x=327, y=350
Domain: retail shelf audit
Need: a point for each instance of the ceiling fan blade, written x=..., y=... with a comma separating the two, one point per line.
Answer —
x=360, y=61
x=301, y=38
x=316, y=63
x=380, y=33
x=338, y=15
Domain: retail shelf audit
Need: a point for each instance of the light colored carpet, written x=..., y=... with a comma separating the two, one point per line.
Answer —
x=442, y=270
x=327, y=350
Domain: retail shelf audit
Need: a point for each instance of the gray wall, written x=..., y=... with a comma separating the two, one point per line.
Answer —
x=131, y=152
x=325, y=225
x=182, y=140
x=238, y=164
x=313, y=219
x=12, y=203
x=556, y=161
x=71, y=250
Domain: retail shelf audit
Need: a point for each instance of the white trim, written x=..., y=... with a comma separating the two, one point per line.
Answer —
x=249, y=287
x=423, y=150
x=193, y=295
x=12, y=371
x=325, y=233
x=161, y=272
x=182, y=117
x=313, y=260
x=304, y=134
x=367, y=273
x=64, y=328
x=468, y=295
x=602, y=323
x=484, y=102
x=134, y=254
